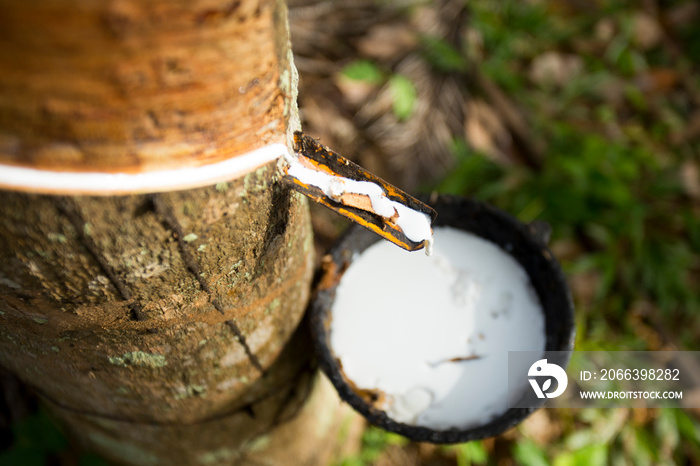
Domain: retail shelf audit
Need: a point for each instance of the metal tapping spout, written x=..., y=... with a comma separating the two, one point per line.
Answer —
x=345, y=187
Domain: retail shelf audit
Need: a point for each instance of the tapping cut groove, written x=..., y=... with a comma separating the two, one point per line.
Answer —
x=71, y=212
x=168, y=216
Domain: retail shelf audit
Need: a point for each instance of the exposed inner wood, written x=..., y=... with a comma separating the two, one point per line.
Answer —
x=360, y=201
x=132, y=86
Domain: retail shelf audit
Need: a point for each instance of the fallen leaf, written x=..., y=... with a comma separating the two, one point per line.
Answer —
x=646, y=31
x=539, y=428
x=566, y=249
x=555, y=68
x=658, y=80
x=387, y=41
x=355, y=92
x=605, y=30
x=683, y=14
x=689, y=132
x=485, y=132
x=690, y=178
x=584, y=286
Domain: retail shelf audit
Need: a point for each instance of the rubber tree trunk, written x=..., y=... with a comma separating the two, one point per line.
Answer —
x=159, y=328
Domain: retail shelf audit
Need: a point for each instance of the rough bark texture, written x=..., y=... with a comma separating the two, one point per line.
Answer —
x=64, y=261
x=203, y=320
x=157, y=326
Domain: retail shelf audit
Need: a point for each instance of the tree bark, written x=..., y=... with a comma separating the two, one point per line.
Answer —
x=158, y=327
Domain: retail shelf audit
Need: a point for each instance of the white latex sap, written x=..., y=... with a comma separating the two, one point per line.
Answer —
x=414, y=224
x=433, y=333
x=66, y=182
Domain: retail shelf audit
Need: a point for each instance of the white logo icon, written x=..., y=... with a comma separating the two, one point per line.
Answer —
x=543, y=369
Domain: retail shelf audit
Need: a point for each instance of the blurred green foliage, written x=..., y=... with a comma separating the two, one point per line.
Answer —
x=621, y=196
x=402, y=90
x=442, y=55
x=610, y=186
x=374, y=443
x=470, y=453
x=403, y=94
x=363, y=70
x=528, y=453
x=35, y=439
x=614, y=197
x=37, y=442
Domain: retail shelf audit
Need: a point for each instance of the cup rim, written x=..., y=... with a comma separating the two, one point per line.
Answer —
x=463, y=212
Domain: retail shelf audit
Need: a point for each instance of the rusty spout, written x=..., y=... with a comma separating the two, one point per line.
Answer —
x=348, y=189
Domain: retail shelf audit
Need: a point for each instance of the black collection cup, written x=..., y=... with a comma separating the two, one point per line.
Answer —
x=526, y=244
